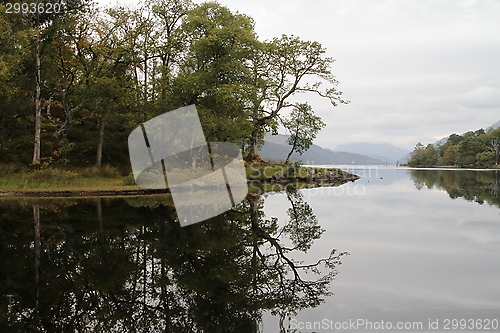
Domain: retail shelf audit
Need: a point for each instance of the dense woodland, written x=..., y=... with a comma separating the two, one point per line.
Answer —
x=472, y=149
x=74, y=84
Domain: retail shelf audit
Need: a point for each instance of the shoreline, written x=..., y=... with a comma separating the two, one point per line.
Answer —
x=54, y=193
x=304, y=178
x=452, y=167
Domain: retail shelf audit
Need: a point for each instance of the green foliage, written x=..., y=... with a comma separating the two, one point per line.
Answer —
x=283, y=68
x=423, y=156
x=104, y=71
x=293, y=169
x=473, y=149
x=485, y=159
x=214, y=74
x=66, y=148
x=303, y=125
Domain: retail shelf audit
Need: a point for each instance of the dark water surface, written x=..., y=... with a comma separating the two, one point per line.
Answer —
x=423, y=251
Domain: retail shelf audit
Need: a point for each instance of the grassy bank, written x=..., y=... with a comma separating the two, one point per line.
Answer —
x=93, y=180
x=17, y=178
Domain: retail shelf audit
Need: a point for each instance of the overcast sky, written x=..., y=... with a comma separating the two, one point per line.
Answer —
x=413, y=70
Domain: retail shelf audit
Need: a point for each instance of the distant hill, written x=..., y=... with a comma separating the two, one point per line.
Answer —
x=405, y=159
x=495, y=125
x=381, y=151
x=276, y=148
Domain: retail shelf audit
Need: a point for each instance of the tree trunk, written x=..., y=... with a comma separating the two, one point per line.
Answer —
x=68, y=116
x=165, y=74
x=38, y=106
x=100, y=141
x=288, y=156
x=254, y=140
x=291, y=150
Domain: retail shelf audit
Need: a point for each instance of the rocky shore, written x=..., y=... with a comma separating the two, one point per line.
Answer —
x=305, y=176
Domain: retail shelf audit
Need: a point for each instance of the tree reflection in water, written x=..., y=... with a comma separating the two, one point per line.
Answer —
x=477, y=186
x=126, y=265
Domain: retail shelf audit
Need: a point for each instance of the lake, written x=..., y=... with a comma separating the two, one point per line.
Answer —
x=424, y=246
x=416, y=250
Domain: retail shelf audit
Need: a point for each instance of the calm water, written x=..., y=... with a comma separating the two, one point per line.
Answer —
x=424, y=245
x=423, y=250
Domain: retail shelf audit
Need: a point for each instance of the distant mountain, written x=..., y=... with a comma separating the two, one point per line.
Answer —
x=440, y=142
x=381, y=151
x=495, y=125
x=405, y=159
x=276, y=148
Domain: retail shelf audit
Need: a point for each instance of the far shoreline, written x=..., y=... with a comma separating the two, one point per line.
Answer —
x=452, y=167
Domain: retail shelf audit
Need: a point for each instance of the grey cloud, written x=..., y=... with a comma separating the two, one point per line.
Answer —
x=428, y=67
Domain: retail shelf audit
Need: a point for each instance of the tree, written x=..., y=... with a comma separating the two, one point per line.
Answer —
x=485, y=159
x=431, y=155
x=417, y=155
x=214, y=74
x=42, y=23
x=110, y=71
x=495, y=149
x=474, y=148
x=92, y=75
x=169, y=44
x=282, y=68
x=470, y=147
x=89, y=75
x=12, y=42
x=303, y=125
x=32, y=42
x=69, y=71
x=454, y=139
x=38, y=108
x=450, y=154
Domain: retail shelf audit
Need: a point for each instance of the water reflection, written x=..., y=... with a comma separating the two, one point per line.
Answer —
x=477, y=186
x=126, y=265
